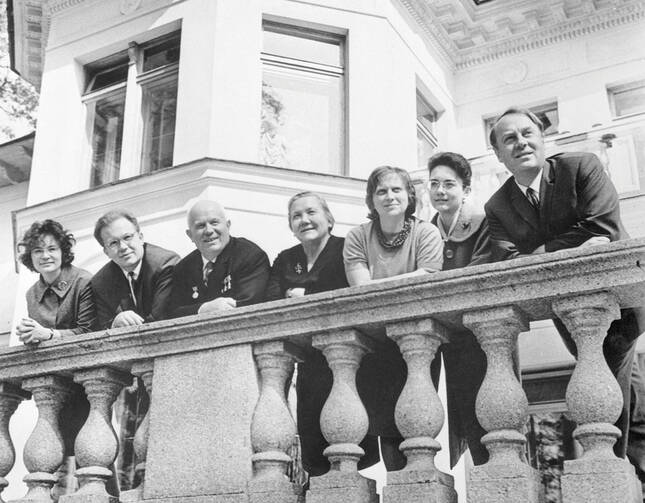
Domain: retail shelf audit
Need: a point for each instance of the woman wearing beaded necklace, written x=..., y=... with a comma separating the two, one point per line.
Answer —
x=466, y=242
x=392, y=244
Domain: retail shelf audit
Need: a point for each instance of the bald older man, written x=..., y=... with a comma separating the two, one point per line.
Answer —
x=224, y=272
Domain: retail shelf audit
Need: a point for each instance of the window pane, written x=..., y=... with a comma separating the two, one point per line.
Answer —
x=316, y=50
x=107, y=76
x=159, y=107
x=302, y=120
x=629, y=101
x=161, y=54
x=425, y=148
x=107, y=135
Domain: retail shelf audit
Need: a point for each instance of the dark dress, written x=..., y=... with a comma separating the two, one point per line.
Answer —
x=315, y=379
x=468, y=244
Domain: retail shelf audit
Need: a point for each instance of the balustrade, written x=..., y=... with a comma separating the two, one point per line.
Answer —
x=219, y=426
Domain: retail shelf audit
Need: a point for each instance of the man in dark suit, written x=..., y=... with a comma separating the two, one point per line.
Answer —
x=224, y=272
x=134, y=287
x=564, y=201
x=131, y=289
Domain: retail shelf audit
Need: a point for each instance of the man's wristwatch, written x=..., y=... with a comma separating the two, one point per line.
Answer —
x=51, y=334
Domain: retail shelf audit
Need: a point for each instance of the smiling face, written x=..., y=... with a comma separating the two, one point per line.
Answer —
x=520, y=146
x=447, y=191
x=308, y=220
x=390, y=197
x=47, y=256
x=208, y=228
x=123, y=243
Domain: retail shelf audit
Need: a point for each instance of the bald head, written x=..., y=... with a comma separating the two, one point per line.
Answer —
x=208, y=228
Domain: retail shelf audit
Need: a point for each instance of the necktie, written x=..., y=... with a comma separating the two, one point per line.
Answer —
x=131, y=285
x=208, y=268
x=533, y=199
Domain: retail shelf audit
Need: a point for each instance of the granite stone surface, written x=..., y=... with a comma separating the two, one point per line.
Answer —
x=200, y=420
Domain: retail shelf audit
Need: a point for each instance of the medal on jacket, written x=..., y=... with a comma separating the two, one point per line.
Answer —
x=195, y=294
x=298, y=268
x=226, y=284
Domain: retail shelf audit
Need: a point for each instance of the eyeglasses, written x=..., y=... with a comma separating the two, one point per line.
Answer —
x=445, y=184
x=115, y=244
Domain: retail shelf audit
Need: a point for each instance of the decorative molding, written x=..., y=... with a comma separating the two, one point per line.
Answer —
x=56, y=6
x=469, y=35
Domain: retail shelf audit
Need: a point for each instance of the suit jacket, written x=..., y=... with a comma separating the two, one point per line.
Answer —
x=67, y=305
x=577, y=202
x=469, y=243
x=152, y=289
x=241, y=272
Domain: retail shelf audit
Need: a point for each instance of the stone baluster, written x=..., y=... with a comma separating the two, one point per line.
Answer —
x=502, y=409
x=144, y=370
x=97, y=445
x=595, y=401
x=419, y=417
x=10, y=398
x=343, y=421
x=45, y=448
x=273, y=429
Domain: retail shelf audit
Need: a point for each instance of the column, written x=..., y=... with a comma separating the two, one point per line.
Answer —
x=10, y=398
x=273, y=429
x=595, y=401
x=343, y=421
x=502, y=410
x=419, y=417
x=45, y=449
x=97, y=445
x=144, y=370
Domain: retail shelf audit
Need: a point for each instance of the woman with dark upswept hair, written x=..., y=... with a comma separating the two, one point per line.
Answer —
x=393, y=244
x=59, y=304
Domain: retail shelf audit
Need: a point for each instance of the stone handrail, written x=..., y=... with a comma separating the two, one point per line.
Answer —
x=219, y=426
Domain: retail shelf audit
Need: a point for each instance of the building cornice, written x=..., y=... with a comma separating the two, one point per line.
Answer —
x=469, y=36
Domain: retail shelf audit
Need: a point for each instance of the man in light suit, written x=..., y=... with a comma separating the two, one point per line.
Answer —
x=134, y=287
x=564, y=201
x=224, y=272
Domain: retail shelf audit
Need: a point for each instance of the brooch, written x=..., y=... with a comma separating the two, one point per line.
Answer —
x=62, y=285
x=298, y=268
x=195, y=294
x=226, y=284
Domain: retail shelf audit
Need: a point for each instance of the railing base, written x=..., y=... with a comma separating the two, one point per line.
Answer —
x=342, y=487
x=419, y=486
x=271, y=491
x=88, y=498
x=600, y=481
x=505, y=484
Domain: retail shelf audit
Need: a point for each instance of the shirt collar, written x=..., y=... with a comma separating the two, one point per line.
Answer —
x=535, y=184
x=60, y=287
x=136, y=271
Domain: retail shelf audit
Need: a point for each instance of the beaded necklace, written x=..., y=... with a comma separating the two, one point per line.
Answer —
x=400, y=237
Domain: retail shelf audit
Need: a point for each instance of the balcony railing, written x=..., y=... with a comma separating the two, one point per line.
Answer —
x=219, y=426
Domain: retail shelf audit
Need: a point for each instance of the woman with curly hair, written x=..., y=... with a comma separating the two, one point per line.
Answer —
x=60, y=302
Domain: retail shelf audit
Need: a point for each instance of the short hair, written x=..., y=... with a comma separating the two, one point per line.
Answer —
x=321, y=200
x=32, y=237
x=375, y=178
x=457, y=162
x=519, y=111
x=112, y=216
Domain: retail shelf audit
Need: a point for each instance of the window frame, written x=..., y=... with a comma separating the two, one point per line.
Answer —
x=612, y=90
x=271, y=60
x=134, y=116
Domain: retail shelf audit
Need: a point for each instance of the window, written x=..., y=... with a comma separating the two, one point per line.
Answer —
x=426, y=140
x=627, y=99
x=152, y=69
x=548, y=114
x=303, y=87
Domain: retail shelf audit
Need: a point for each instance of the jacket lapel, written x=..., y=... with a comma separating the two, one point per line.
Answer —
x=546, y=195
x=522, y=206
